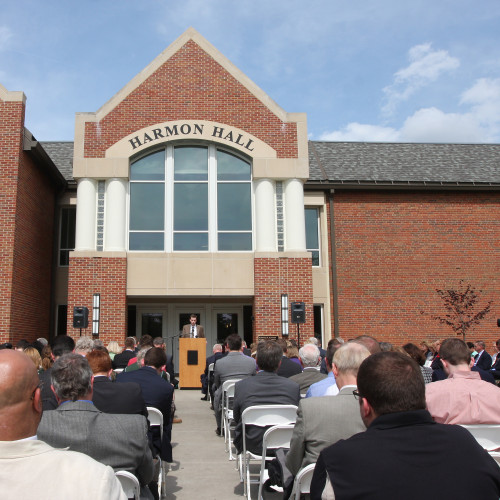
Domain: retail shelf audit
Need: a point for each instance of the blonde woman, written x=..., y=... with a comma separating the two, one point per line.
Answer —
x=34, y=355
x=113, y=348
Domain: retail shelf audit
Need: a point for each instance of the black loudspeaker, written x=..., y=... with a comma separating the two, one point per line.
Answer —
x=498, y=322
x=80, y=317
x=298, y=312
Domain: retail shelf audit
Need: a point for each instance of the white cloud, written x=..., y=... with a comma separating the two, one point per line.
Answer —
x=426, y=66
x=5, y=36
x=479, y=123
x=362, y=133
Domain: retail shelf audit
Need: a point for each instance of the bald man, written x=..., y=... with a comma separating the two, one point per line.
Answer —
x=28, y=465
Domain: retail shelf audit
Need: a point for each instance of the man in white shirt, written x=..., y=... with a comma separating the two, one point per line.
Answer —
x=28, y=465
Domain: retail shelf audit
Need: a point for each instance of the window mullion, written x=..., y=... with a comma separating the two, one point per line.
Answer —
x=169, y=199
x=212, y=199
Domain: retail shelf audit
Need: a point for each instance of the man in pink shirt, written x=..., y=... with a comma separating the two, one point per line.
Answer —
x=463, y=398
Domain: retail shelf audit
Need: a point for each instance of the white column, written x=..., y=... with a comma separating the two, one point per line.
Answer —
x=115, y=215
x=295, y=224
x=265, y=216
x=86, y=196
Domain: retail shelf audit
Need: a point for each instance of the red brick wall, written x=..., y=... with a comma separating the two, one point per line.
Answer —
x=104, y=275
x=33, y=253
x=11, y=132
x=191, y=85
x=395, y=249
x=274, y=277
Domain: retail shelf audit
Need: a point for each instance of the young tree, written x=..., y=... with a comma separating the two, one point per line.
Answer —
x=462, y=306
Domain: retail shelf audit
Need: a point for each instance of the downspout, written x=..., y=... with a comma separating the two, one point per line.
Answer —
x=336, y=332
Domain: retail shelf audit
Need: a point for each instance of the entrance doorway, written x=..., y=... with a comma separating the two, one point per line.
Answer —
x=167, y=320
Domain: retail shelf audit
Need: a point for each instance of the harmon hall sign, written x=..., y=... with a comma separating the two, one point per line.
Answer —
x=179, y=130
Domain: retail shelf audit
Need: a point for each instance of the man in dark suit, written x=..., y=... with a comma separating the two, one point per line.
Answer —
x=110, y=397
x=120, y=441
x=156, y=392
x=192, y=329
x=495, y=368
x=121, y=360
x=287, y=367
x=482, y=359
x=265, y=388
x=205, y=382
x=169, y=366
x=402, y=438
x=62, y=344
x=309, y=359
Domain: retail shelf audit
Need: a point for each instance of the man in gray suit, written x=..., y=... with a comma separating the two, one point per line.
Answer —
x=117, y=440
x=235, y=365
x=323, y=421
x=310, y=360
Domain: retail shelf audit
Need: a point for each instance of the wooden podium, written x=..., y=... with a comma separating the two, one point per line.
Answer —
x=192, y=360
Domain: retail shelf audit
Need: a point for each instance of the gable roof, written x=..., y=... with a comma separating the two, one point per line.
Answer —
x=364, y=164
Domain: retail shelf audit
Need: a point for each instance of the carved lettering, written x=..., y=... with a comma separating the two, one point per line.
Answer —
x=247, y=145
x=147, y=138
x=135, y=142
x=157, y=133
x=229, y=137
x=171, y=131
x=185, y=128
x=198, y=129
x=217, y=132
x=238, y=140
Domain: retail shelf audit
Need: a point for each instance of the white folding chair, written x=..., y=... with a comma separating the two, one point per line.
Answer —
x=488, y=436
x=129, y=483
x=261, y=416
x=210, y=374
x=277, y=436
x=302, y=482
x=155, y=418
x=227, y=413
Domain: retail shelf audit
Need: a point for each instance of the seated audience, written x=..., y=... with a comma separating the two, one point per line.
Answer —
x=323, y=421
x=495, y=368
x=169, y=367
x=482, y=359
x=235, y=365
x=62, y=344
x=156, y=392
x=265, y=388
x=463, y=398
x=287, y=367
x=319, y=388
x=120, y=441
x=121, y=360
x=402, y=445
x=310, y=360
x=113, y=349
x=34, y=355
x=336, y=342
x=418, y=356
x=47, y=357
x=111, y=397
x=83, y=346
x=30, y=468
x=315, y=341
x=205, y=382
x=292, y=351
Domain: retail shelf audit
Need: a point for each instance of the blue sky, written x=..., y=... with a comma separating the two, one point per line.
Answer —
x=386, y=70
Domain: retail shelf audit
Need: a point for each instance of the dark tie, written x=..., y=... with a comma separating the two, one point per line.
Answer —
x=192, y=331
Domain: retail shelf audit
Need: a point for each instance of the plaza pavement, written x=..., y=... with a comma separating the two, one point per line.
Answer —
x=201, y=467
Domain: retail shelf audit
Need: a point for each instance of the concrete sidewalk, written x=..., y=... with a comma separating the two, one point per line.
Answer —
x=201, y=467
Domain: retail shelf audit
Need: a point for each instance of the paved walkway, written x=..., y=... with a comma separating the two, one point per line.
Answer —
x=201, y=467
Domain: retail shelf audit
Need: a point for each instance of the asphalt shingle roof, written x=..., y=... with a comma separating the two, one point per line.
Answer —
x=361, y=163
x=61, y=154
x=404, y=162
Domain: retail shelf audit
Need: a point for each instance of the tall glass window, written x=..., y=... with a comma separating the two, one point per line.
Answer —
x=67, y=234
x=190, y=198
x=312, y=234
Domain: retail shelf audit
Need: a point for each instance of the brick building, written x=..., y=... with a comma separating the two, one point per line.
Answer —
x=191, y=191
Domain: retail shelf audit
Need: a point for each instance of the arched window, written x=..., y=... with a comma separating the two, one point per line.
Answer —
x=190, y=198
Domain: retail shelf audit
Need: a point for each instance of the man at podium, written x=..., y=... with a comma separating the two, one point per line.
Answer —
x=192, y=330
